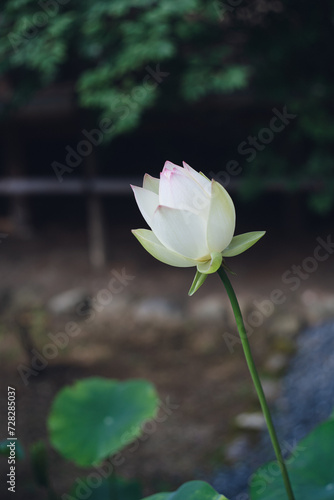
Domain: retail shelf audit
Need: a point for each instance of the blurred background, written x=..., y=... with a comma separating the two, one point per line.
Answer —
x=92, y=96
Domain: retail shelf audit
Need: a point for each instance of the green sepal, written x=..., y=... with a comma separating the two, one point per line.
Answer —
x=242, y=242
x=198, y=281
x=212, y=265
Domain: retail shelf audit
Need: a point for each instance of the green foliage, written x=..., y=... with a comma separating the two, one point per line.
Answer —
x=106, y=47
x=289, y=52
x=96, y=417
x=274, y=53
x=310, y=467
x=194, y=490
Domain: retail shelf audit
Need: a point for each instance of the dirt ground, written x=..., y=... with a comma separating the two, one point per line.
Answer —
x=151, y=329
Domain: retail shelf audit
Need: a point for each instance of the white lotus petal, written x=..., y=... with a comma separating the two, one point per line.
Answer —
x=200, y=178
x=147, y=202
x=221, y=222
x=171, y=166
x=151, y=183
x=166, y=197
x=181, y=231
x=181, y=191
x=165, y=192
x=151, y=243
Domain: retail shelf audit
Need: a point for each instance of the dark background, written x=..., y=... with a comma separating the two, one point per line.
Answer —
x=230, y=64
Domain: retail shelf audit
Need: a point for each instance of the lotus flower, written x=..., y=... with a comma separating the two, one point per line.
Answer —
x=192, y=219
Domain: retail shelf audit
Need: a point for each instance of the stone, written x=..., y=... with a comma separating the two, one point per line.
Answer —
x=66, y=302
x=276, y=363
x=271, y=389
x=318, y=306
x=160, y=310
x=285, y=325
x=250, y=421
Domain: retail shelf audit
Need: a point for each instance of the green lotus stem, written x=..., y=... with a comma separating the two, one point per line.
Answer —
x=256, y=379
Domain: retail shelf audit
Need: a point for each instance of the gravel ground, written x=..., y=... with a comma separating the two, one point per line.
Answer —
x=307, y=399
x=171, y=339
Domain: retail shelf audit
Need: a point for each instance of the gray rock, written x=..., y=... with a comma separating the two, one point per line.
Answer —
x=307, y=399
x=276, y=363
x=66, y=302
x=308, y=389
x=285, y=325
x=271, y=389
x=250, y=421
x=318, y=306
x=157, y=309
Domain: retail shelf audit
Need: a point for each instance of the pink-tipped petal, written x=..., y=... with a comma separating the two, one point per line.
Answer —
x=171, y=166
x=178, y=190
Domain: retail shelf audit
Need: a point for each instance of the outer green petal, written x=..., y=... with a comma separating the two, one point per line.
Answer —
x=221, y=223
x=151, y=243
x=242, y=242
x=211, y=266
x=198, y=281
x=151, y=183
